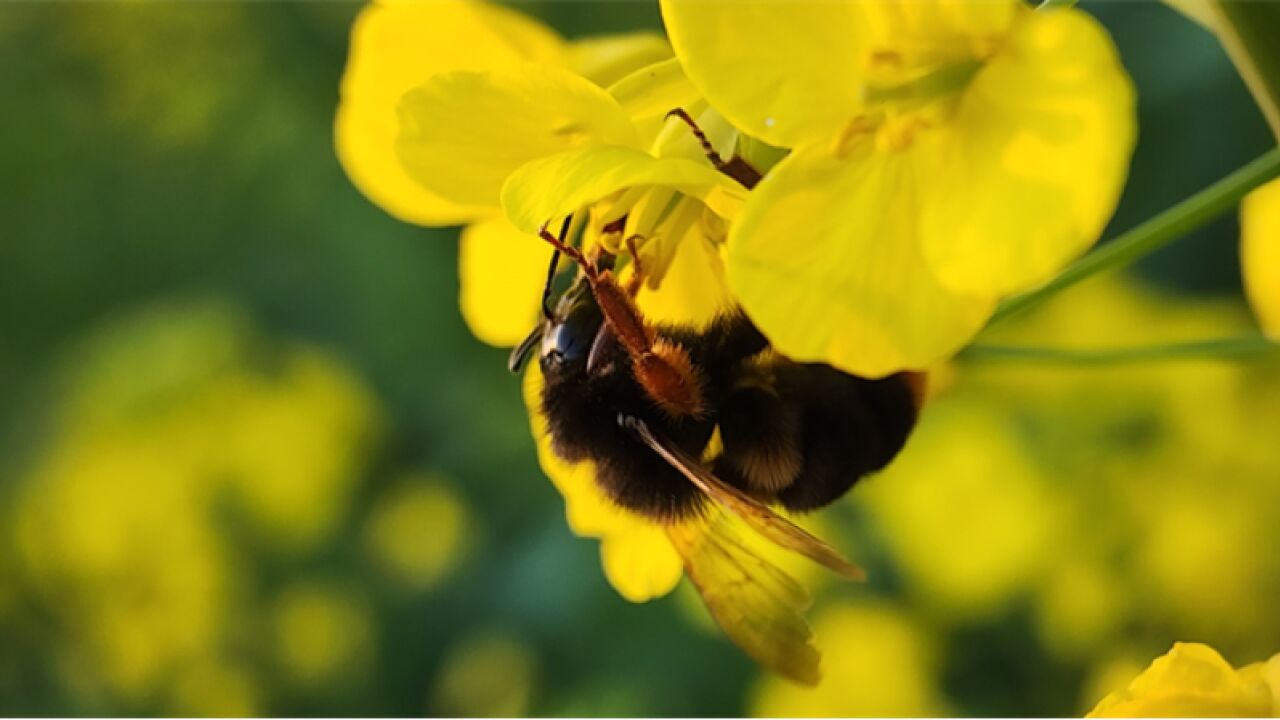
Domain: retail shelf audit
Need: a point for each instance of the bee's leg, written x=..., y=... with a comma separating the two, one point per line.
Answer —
x=736, y=167
x=637, y=269
x=604, y=338
x=570, y=252
x=662, y=367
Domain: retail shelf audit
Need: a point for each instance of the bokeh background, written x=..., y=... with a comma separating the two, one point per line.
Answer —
x=251, y=460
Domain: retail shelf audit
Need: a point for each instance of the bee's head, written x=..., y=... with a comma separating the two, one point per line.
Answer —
x=567, y=335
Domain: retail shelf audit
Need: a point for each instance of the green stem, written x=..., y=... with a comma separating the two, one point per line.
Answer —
x=1247, y=32
x=1154, y=233
x=1049, y=4
x=1199, y=350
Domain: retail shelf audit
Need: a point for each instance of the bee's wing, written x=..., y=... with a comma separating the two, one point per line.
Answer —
x=758, y=606
x=757, y=515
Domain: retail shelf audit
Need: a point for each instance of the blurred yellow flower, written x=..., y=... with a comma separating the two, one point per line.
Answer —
x=488, y=674
x=419, y=507
x=968, y=516
x=944, y=155
x=216, y=690
x=876, y=662
x=121, y=525
x=1193, y=680
x=280, y=425
x=1080, y=606
x=322, y=634
x=1260, y=254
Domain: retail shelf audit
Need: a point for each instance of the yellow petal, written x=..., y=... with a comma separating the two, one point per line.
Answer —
x=640, y=563
x=824, y=258
x=501, y=274
x=915, y=34
x=649, y=93
x=1260, y=254
x=1192, y=680
x=555, y=186
x=397, y=46
x=1034, y=160
x=637, y=558
x=694, y=290
x=462, y=133
x=782, y=72
x=606, y=59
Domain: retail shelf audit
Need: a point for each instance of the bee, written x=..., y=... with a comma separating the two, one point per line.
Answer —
x=642, y=402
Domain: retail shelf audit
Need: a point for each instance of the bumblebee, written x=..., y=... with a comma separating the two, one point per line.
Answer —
x=642, y=403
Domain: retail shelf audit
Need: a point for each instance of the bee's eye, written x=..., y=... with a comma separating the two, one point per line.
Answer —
x=566, y=342
x=568, y=337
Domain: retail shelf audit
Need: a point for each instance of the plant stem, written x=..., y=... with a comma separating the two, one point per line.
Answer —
x=1050, y=4
x=1247, y=32
x=1199, y=350
x=1154, y=233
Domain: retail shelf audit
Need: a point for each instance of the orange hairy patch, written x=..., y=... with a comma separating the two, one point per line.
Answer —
x=667, y=374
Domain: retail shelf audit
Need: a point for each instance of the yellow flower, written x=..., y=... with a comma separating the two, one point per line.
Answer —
x=1193, y=680
x=445, y=138
x=121, y=528
x=944, y=154
x=463, y=44
x=1260, y=254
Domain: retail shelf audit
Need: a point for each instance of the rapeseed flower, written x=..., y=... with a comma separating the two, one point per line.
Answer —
x=122, y=526
x=943, y=155
x=1193, y=680
x=445, y=142
x=442, y=101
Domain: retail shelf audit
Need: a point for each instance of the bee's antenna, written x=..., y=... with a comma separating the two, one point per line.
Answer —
x=546, y=289
x=707, y=147
x=551, y=269
x=569, y=251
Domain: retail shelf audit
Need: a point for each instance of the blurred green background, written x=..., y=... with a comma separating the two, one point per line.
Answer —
x=251, y=460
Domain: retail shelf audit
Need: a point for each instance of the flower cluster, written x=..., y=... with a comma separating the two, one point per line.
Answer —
x=920, y=161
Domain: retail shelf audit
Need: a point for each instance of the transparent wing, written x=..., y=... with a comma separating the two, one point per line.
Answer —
x=757, y=605
x=755, y=514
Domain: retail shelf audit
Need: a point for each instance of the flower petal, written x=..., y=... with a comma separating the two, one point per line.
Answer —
x=922, y=33
x=462, y=133
x=501, y=274
x=638, y=559
x=397, y=46
x=694, y=290
x=782, y=72
x=555, y=186
x=1034, y=160
x=824, y=258
x=1260, y=254
x=648, y=94
x=641, y=564
x=1192, y=680
x=606, y=59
